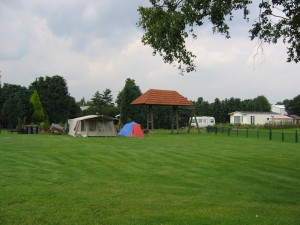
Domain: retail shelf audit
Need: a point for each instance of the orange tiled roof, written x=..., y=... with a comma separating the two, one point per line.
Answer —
x=162, y=97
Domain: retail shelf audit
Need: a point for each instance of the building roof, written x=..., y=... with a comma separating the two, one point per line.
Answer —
x=254, y=112
x=162, y=97
x=295, y=117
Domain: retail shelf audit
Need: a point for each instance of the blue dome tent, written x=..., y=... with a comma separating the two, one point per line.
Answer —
x=132, y=129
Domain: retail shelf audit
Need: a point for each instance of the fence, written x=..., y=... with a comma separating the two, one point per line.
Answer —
x=254, y=133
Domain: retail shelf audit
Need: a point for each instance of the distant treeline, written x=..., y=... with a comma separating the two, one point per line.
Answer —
x=49, y=97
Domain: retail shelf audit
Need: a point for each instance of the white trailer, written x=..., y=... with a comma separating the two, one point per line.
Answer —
x=203, y=121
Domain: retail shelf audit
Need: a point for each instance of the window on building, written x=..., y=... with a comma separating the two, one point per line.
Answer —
x=252, y=119
x=237, y=119
x=92, y=126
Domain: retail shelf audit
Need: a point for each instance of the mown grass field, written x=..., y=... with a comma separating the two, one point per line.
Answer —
x=160, y=179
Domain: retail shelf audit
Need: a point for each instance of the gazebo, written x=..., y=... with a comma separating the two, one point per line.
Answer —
x=162, y=98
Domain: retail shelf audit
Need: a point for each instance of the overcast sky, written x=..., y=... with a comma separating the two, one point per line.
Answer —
x=95, y=44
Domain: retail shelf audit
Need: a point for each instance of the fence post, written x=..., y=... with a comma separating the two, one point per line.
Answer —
x=216, y=131
x=270, y=134
x=257, y=133
x=228, y=131
x=247, y=132
x=296, y=136
x=237, y=131
x=282, y=136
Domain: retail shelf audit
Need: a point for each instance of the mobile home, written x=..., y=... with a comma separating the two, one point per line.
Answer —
x=203, y=121
x=259, y=118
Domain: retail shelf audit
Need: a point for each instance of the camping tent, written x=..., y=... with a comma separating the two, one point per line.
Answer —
x=92, y=126
x=132, y=129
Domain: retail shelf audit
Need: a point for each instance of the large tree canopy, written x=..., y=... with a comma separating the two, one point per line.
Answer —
x=102, y=104
x=130, y=112
x=14, y=104
x=168, y=23
x=293, y=106
x=54, y=95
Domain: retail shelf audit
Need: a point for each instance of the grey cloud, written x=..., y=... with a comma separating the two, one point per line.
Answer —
x=112, y=22
x=96, y=45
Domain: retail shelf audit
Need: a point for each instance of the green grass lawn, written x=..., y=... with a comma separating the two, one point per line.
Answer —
x=160, y=179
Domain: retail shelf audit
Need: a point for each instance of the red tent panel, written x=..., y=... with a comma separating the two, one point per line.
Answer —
x=137, y=131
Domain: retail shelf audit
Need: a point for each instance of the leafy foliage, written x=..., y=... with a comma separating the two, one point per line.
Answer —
x=168, y=23
x=279, y=19
x=97, y=102
x=15, y=104
x=202, y=108
x=218, y=111
x=130, y=112
x=293, y=106
x=54, y=96
x=74, y=109
x=102, y=104
x=38, y=115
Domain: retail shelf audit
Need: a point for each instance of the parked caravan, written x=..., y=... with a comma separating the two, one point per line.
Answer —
x=203, y=121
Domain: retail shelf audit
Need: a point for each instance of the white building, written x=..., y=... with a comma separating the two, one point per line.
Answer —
x=280, y=109
x=258, y=118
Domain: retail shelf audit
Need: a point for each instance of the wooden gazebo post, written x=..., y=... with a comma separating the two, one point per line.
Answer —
x=150, y=118
x=174, y=114
x=190, y=121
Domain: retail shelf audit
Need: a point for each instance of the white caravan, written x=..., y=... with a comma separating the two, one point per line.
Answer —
x=203, y=121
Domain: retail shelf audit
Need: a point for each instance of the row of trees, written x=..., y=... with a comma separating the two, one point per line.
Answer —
x=101, y=103
x=47, y=100
x=219, y=109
